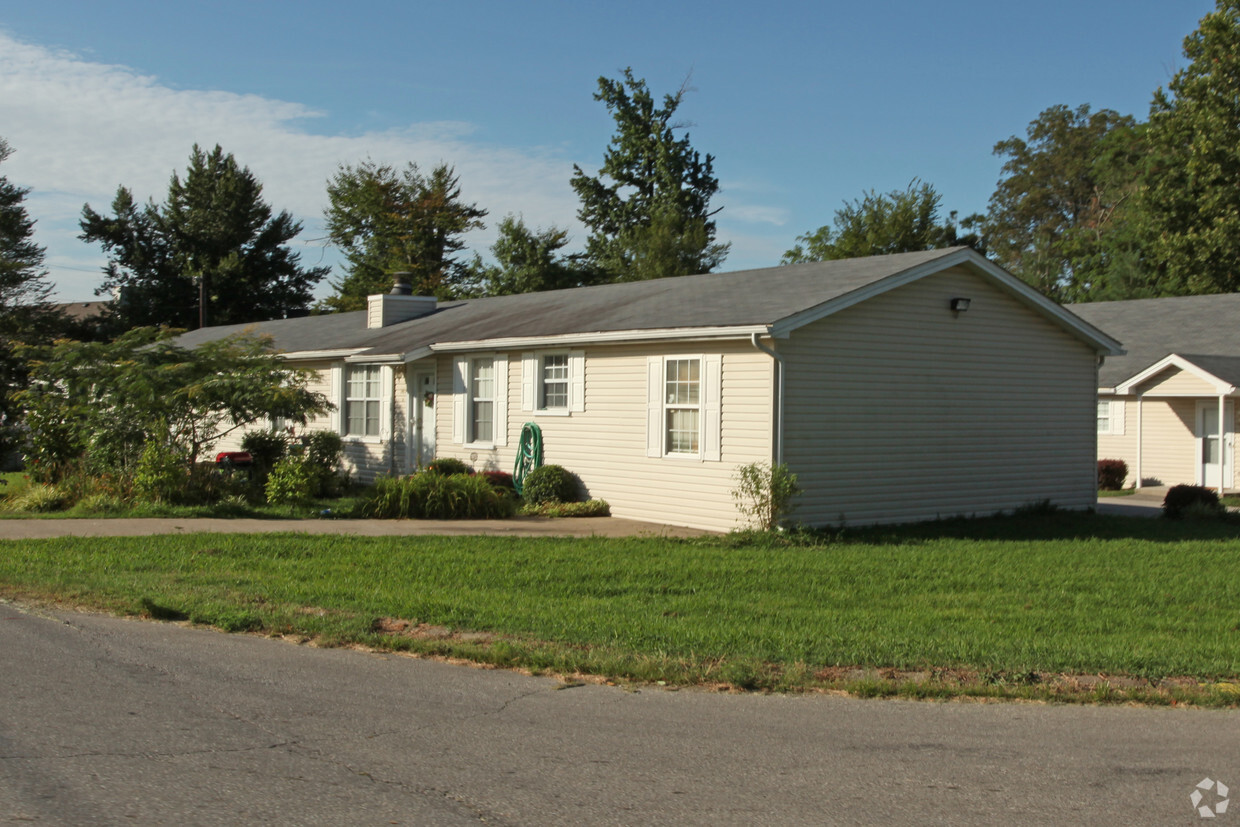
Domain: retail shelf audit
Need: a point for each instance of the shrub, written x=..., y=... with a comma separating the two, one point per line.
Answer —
x=291, y=482
x=501, y=481
x=764, y=493
x=550, y=484
x=323, y=453
x=589, y=508
x=37, y=498
x=208, y=484
x=435, y=496
x=1183, y=499
x=1111, y=474
x=267, y=448
x=160, y=475
x=448, y=466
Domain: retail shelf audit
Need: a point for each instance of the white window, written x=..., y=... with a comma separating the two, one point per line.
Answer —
x=480, y=400
x=1111, y=417
x=553, y=382
x=682, y=392
x=363, y=400
x=683, y=407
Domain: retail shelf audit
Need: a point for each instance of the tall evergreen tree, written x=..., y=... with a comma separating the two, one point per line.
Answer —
x=1060, y=215
x=648, y=209
x=387, y=222
x=527, y=261
x=213, y=250
x=1192, y=204
x=901, y=221
x=25, y=315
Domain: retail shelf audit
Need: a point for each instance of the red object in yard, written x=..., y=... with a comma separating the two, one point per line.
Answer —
x=237, y=458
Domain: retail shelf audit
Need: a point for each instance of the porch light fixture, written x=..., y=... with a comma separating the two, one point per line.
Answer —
x=959, y=305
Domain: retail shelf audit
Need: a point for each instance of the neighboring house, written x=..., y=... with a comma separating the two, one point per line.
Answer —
x=1166, y=406
x=887, y=403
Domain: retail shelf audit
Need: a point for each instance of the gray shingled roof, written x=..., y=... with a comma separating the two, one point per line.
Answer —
x=746, y=298
x=742, y=298
x=1203, y=329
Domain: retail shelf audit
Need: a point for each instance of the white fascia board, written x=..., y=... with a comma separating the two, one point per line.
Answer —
x=683, y=334
x=306, y=355
x=375, y=359
x=1175, y=360
x=1100, y=341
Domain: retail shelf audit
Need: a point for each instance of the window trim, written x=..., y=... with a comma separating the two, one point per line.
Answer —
x=533, y=389
x=463, y=407
x=709, y=408
x=340, y=393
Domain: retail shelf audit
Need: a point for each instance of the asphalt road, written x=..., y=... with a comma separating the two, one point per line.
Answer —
x=109, y=721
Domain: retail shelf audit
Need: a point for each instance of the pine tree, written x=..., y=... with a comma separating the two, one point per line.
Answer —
x=388, y=222
x=648, y=209
x=213, y=251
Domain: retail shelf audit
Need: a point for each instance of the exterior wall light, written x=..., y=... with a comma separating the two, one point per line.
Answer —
x=959, y=305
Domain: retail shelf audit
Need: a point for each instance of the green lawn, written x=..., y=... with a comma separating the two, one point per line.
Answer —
x=1082, y=594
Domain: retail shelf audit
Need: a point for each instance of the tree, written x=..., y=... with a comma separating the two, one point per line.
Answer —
x=901, y=221
x=527, y=261
x=101, y=403
x=1060, y=217
x=1192, y=203
x=388, y=222
x=214, y=239
x=25, y=315
x=648, y=209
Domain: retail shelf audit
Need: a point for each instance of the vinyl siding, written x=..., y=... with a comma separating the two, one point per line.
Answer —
x=605, y=445
x=1176, y=382
x=1169, y=442
x=899, y=410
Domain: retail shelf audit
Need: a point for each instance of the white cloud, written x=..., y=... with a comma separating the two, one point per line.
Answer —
x=79, y=129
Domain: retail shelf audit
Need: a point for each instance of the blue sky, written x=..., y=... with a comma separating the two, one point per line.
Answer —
x=804, y=105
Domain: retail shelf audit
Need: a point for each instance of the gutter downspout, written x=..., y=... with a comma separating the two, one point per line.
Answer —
x=779, y=396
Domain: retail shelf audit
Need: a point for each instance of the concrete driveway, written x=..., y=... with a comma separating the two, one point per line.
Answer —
x=1147, y=502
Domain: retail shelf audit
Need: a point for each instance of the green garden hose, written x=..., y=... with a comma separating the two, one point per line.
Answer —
x=529, y=454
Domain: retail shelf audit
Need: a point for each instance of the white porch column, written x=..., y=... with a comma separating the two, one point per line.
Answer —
x=1223, y=464
x=1140, y=400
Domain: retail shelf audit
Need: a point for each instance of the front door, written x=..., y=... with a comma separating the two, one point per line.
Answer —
x=421, y=418
x=1214, y=453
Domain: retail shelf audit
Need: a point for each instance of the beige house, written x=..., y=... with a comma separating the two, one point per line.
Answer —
x=898, y=388
x=1166, y=407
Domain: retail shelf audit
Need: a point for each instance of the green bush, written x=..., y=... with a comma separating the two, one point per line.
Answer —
x=291, y=482
x=1190, y=500
x=434, y=496
x=37, y=498
x=160, y=475
x=764, y=493
x=448, y=466
x=324, y=451
x=267, y=448
x=550, y=484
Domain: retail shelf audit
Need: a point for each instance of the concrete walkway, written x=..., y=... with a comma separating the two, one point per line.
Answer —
x=1146, y=502
x=516, y=527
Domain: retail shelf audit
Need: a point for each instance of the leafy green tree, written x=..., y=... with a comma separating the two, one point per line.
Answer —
x=1192, y=203
x=901, y=221
x=648, y=209
x=1060, y=217
x=25, y=315
x=213, y=238
x=527, y=261
x=101, y=402
x=388, y=222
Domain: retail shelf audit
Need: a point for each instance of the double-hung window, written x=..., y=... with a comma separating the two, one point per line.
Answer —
x=363, y=401
x=684, y=407
x=1111, y=417
x=553, y=382
x=482, y=400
